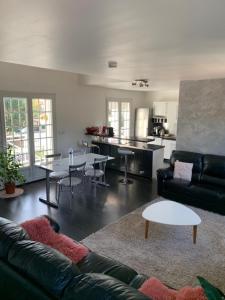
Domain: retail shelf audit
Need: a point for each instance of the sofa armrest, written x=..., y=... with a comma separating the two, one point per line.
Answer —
x=164, y=174
x=53, y=223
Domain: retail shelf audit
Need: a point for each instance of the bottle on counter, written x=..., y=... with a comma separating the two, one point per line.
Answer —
x=71, y=152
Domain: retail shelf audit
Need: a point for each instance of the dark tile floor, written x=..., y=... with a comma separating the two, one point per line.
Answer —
x=88, y=213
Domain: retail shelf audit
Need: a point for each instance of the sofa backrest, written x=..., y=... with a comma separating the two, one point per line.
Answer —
x=189, y=157
x=44, y=265
x=10, y=233
x=213, y=170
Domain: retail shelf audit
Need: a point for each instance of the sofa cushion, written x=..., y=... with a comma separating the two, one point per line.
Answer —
x=100, y=287
x=94, y=263
x=46, y=266
x=138, y=281
x=15, y=286
x=208, y=192
x=177, y=185
x=10, y=233
x=189, y=157
x=214, y=170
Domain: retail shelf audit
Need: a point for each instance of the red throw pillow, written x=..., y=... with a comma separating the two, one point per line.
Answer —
x=154, y=289
x=40, y=230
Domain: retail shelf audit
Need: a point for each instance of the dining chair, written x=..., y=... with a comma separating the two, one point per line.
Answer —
x=97, y=173
x=55, y=176
x=91, y=148
x=75, y=179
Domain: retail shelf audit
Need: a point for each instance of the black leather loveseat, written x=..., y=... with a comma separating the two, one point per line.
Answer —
x=207, y=187
x=32, y=271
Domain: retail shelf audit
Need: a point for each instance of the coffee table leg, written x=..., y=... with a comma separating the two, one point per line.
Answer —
x=146, y=229
x=194, y=233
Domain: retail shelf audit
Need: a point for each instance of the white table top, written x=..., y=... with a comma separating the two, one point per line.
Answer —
x=64, y=163
x=171, y=213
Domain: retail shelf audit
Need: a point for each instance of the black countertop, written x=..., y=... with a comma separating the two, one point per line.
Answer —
x=129, y=143
x=170, y=137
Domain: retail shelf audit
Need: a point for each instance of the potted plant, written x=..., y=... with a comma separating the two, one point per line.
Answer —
x=10, y=170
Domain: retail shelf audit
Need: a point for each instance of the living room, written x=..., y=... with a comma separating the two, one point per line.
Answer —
x=144, y=202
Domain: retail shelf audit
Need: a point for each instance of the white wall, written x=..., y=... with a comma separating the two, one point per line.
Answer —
x=77, y=106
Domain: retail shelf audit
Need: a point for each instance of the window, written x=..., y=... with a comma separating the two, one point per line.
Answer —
x=42, y=128
x=118, y=117
x=28, y=127
x=16, y=127
x=113, y=116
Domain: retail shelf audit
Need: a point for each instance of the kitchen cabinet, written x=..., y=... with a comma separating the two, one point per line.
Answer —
x=158, y=141
x=159, y=108
x=170, y=111
x=170, y=145
x=139, y=164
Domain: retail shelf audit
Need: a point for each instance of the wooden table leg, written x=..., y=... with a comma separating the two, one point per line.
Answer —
x=194, y=233
x=146, y=228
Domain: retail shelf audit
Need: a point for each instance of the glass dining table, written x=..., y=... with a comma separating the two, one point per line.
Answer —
x=63, y=165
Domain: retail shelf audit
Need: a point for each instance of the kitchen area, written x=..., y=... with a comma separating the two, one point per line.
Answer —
x=152, y=142
x=163, y=127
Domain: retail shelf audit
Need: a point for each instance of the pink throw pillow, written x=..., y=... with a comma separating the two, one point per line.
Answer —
x=40, y=230
x=154, y=289
x=191, y=293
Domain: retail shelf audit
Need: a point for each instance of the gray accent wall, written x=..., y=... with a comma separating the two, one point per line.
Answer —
x=201, y=117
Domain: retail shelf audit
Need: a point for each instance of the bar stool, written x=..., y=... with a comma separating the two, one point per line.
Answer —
x=125, y=152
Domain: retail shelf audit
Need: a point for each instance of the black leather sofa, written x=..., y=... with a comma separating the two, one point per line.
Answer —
x=32, y=271
x=207, y=187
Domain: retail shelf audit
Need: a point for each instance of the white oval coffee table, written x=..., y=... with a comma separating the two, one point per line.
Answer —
x=171, y=213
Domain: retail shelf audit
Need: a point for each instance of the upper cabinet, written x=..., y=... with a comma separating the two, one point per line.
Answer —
x=170, y=111
x=159, y=108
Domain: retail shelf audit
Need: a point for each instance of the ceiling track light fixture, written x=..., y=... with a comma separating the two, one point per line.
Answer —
x=140, y=83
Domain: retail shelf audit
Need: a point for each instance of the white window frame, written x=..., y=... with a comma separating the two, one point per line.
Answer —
x=29, y=96
x=119, y=101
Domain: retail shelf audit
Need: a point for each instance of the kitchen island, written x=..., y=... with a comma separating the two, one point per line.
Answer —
x=146, y=160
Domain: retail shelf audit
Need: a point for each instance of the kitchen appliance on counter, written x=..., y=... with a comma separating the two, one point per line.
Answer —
x=100, y=131
x=142, y=122
x=159, y=127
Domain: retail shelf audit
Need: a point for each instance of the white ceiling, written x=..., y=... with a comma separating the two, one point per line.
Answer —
x=163, y=40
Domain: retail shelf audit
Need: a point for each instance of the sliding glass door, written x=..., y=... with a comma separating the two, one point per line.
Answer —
x=27, y=124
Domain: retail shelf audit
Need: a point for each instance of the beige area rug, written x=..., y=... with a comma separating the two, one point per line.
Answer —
x=169, y=253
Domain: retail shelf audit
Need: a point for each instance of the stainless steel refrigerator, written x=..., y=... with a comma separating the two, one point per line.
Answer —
x=142, y=122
